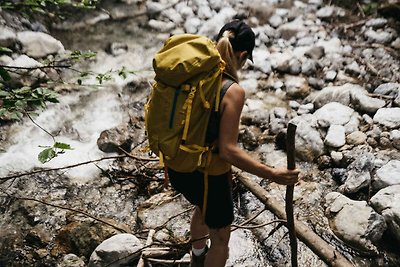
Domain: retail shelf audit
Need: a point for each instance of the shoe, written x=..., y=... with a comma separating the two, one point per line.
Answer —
x=198, y=261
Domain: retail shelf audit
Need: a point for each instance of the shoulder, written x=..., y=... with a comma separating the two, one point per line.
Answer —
x=235, y=91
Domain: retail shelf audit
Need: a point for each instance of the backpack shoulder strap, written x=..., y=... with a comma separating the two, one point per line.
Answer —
x=225, y=87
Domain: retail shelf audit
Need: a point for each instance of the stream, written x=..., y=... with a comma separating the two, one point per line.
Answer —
x=41, y=234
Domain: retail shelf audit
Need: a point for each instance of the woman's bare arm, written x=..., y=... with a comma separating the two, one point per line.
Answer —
x=231, y=108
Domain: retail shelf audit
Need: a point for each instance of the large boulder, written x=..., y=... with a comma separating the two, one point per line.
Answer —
x=39, y=44
x=116, y=251
x=333, y=113
x=387, y=203
x=354, y=222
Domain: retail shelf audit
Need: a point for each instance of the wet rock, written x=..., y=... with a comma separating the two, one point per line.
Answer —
x=81, y=238
x=387, y=175
x=388, y=117
x=71, y=260
x=387, y=203
x=354, y=221
x=39, y=44
x=333, y=113
x=358, y=176
x=335, y=136
x=309, y=144
x=158, y=210
x=115, y=251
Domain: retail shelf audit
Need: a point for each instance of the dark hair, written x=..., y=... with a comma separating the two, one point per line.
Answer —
x=243, y=38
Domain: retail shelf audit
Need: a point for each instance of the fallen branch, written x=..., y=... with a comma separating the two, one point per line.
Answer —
x=320, y=247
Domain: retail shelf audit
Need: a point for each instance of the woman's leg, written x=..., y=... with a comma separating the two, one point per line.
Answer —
x=198, y=229
x=218, y=253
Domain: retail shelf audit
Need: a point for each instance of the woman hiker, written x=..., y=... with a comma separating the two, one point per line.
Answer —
x=235, y=43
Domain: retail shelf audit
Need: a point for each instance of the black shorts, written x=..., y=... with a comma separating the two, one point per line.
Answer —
x=219, y=210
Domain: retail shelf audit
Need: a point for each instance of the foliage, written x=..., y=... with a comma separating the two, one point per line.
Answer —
x=51, y=152
x=44, y=6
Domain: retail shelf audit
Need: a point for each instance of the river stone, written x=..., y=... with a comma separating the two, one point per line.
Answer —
x=262, y=61
x=39, y=44
x=275, y=21
x=211, y=27
x=161, y=26
x=331, y=46
x=333, y=113
x=387, y=203
x=389, y=89
x=309, y=67
x=71, y=260
x=296, y=86
x=309, y=144
x=364, y=103
x=358, y=173
x=381, y=37
x=335, y=136
x=291, y=29
x=388, y=117
x=356, y=138
x=395, y=138
x=7, y=36
x=115, y=251
x=354, y=222
x=376, y=22
x=330, y=75
x=387, y=175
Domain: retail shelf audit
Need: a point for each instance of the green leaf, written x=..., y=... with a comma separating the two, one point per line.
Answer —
x=46, y=155
x=16, y=115
x=4, y=74
x=62, y=145
x=5, y=50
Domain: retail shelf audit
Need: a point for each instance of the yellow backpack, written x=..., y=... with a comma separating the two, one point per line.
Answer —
x=187, y=87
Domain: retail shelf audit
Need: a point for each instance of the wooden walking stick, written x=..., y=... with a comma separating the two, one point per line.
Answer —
x=291, y=165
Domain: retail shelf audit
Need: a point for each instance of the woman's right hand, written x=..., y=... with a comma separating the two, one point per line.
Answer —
x=285, y=176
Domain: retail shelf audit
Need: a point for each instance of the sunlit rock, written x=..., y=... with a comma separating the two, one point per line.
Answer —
x=71, y=260
x=358, y=174
x=333, y=113
x=388, y=117
x=118, y=250
x=387, y=175
x=335, y=136
x=7, y=36
x=39, y=44
x=354, y=222
x=387, y=203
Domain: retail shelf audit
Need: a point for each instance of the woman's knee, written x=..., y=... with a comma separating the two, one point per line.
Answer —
x=220, y=237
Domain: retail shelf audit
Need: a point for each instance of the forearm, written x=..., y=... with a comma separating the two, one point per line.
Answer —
x=240, y=159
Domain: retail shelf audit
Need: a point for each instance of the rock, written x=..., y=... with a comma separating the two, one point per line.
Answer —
x=309, y=144
x=388, y=117
x=316, y=52
x=117, y=49
x=111, y=140
x=290, y=29
x=261, y=59
x=395, y=138
x=387, y=203
x=336, y=157
x=358, y=175
x=388, y=89
x=381, y=37
x=376, y=22
x=211, y=27
x=39, y=44
x=309, y=67
x=354, y=222
x=353, y=69
x=387, y=175
x=333, y=113
x=331, y=46
x=304, y=109
x=7, y=37
x=161, y=26
x=115, y=251
x=356, y=138
x=296, y=86
x=294, y=66
x=335, y=136
x=364, y=103
x=275, y=21
x=71, y=260
x=396, y=43
x=250, y=136
x=328, y=12
x=192, y=25
x=259, y=119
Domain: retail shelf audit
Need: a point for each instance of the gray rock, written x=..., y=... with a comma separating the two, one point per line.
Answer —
x=294, y=66
x=192, y=25
x=333, y=113
x=304, y=109
x=381, y=37
x=316, y=52
x=39, y=44
x=354, y=222
x=291, y=29
x=118, y=250
x=261, y=59
x=388, y=117
x=364, y=103
x=335, y=136
x=71, y=260
x=358, y=175
x=7, y=36
x=387, y=175
x=211, y=27
x=296, y=86
x=309, y=144
x=376, y=22
x=388, y=89
x=161, y=26
x=353, y=69
x=309, y=67
x=330, y=75
x=395, y=138
x=396, y=43
x=275, y=21
x=387, y=203
x=331, y=46
x=327, y=12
